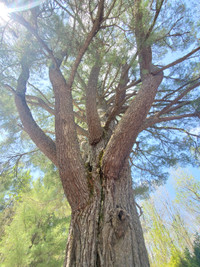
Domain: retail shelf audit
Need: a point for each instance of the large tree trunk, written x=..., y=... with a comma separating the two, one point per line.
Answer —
x=107, y=232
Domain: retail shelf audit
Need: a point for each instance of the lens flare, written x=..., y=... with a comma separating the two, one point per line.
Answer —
x=17, y=6
x=22, y=5
x=4, y=12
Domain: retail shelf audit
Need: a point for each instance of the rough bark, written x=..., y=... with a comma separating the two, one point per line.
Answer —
x=43, y=142
x=71, y=168
x=93, y=121
x=107, y=232
x=121, y=142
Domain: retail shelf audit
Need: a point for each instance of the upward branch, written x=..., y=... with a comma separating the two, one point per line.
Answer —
x=93, y=121
x=71, y=169
x=144, y=49
x=92, y=33
x=42, y=141
x=120, y=144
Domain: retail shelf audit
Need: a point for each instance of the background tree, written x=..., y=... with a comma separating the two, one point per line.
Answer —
x=95, y=70
x=39, y=217
x=166, y=233
x=170, y=230
x=191, y=259
x=188, y=195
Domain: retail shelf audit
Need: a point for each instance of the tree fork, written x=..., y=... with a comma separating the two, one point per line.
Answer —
x=107, y=232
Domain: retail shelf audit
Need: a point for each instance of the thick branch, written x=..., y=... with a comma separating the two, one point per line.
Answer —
x=121, y=89
x=93, y=121
x=71, y=169
x=93, y=32
x=144, y=49
x=42, y=141
x=120, y=144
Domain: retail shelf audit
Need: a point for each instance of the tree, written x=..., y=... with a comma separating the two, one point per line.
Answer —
x=95, y=69
x=159, y=239
x=188, y=195
x=171, y=227
x=166, y=232
x=191, y=259
x=38, y=223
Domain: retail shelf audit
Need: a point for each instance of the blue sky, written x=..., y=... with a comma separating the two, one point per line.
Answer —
x=170, y=182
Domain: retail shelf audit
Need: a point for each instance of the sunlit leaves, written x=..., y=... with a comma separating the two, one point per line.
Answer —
x=37, y=231
x=170, y=227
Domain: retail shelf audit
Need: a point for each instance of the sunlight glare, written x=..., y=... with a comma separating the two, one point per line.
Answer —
x=4, y=13
x=21, y=6
x=17, y=6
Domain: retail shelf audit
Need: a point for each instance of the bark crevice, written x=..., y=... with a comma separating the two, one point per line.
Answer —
x=107, y=233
